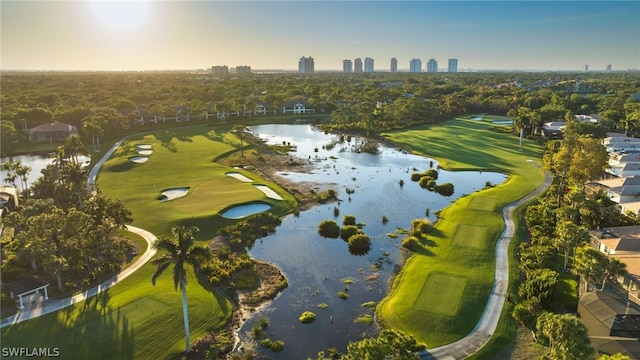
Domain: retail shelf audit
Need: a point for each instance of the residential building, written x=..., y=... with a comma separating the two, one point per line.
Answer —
x=585, y=67
x=593, y=118
x=52, y=132
x=297, y=107
x=394, y=65
x=8, y=197
x=243, y=69
x=357, y=65
x=368, y=64
x=608, y=68
x=306, y=65
x=347, y=66
x=220, y=69
x=553, y=129
x=619, y=190
x=453, y=66
x=415, y=66
x=432, y=66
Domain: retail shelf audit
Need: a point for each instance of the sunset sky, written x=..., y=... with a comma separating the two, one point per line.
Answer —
x=177, y=35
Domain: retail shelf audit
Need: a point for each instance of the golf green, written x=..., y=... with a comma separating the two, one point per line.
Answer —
x=470, y=235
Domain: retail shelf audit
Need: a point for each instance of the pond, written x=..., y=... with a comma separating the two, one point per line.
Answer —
x=319, y=268
x=36, y=163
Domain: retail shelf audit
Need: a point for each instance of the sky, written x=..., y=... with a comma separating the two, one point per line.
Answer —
x=189, y=35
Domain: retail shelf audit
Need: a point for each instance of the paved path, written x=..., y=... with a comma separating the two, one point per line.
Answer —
x=489, y=320
x=36, y=305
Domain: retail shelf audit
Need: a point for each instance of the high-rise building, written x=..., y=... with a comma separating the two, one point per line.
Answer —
x=415, y=65
x=585, y=67
x=368, y=64
x=305, y=65
x=347, y=66
x=243, y=69
x=453, y=66
x=220, y=69
x=608, y=67
x=357, y=65
x=394, y=65
x=432, y=65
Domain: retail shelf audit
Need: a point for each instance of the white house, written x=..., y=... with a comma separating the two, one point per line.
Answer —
x=621, y=190
x=297, y=107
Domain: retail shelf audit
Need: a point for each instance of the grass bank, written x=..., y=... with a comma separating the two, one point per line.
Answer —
x=466, y=233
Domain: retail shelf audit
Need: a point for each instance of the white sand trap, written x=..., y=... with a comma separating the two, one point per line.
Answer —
x=239, y=176
x=145, y=152
x=139, y=159
x=143, y=146
x=175, y=193
x=270, y=193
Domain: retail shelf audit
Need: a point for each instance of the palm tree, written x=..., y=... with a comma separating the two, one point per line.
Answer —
x=180, y=252
x=22, y=171
x=239, y=130
x=612, y=270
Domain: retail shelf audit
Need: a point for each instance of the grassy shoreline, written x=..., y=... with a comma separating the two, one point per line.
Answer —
x=466, y=232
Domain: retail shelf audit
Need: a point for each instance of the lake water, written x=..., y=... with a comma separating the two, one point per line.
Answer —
x=36, y=163
x=318, y=268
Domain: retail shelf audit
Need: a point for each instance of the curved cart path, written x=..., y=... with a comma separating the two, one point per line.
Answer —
x=41, y=307
x=485, y=328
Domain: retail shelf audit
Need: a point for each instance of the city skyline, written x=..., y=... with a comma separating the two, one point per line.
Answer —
x=172, y=35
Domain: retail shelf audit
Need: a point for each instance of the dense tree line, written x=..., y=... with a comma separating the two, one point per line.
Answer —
x=107, y=105
x=62, y=232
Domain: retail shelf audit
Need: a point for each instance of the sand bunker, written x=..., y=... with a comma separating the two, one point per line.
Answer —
x=267, y=191
x=139, y=159
x=174, y=193
x=239, y=176
x=143, y=146
x=145, y=152
x=476, y=118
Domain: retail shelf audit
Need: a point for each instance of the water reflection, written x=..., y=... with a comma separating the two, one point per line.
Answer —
x=318, y=268
x=36, y=163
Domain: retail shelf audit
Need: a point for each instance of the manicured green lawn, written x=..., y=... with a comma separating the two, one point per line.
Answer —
x=467, y=230
x=183, y=157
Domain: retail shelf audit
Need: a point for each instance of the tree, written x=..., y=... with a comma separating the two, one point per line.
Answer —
x=239, y=131
x=569, y=236
x=567, y=335
x=22, y=171
x=613, y=268
x=540, y=284
x=589, y=263
x=360, y=242
x=389, y=344
x=179, y=253
x=329, y=228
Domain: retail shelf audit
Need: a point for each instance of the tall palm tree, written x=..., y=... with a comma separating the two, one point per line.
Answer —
x=180, y=252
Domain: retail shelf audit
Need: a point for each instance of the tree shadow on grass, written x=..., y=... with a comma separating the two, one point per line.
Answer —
x=84, y=331
x=167, y=137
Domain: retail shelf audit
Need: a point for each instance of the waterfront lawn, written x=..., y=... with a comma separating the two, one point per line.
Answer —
x=183, y=157
x=460, y=144
x=133, y=320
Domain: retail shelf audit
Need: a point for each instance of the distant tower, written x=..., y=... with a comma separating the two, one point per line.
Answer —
x=357, y=65
x=608, y=67
x=243, y=69
x=220, y=69
x=585, y=67
x=347, y=66
x=368, y=64
x=415, y=65
x=305, y=65
x=394, y=65
x=453, y=66
x=432, y=65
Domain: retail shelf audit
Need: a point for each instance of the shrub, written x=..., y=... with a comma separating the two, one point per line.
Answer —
x=364, y=319
x=432, y=174
x=329, y=228
x=424, y=181
x=416, y=176
x=411, y=242
x=348, y=231
x=360, y=242
x=343, y=295
x=445, y=189
x=348, y=220
x=431, y=185
x=420, y=227
x=385, y=219
x=307, y=317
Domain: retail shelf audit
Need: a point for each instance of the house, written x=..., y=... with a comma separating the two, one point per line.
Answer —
x=52, y=132
x=553, y=129
x=612, y=322
x=8, y=197
x=622, y=243
x=621, y=144
x=623, y=165
x=619, y=190
x=297, y=107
